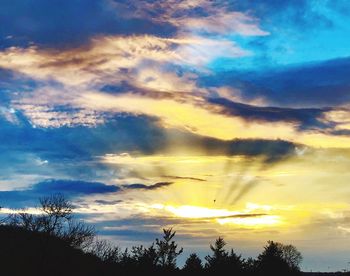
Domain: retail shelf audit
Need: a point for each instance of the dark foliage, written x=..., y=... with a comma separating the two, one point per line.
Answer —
x=278, y=259
x=193, y=265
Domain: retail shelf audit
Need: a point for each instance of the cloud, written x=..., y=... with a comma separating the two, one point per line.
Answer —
x=73, y=187
x=137, y=62
x=140, y=61
x=183, y=177
x=71, y=80
x=104, y=57
x=212, y=17
x=222, y=22
x=313, y=85
x=21, y=27
x=304, y=118
x=147, y=187
x=32, y=154
x=209, y=120
x=108, y=202
x=267, y=150
x=108, y=58
x=70, y=188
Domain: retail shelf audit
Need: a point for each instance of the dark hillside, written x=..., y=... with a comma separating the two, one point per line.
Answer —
x=25, y=252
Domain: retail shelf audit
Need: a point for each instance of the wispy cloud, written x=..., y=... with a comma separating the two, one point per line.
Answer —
x=147, y=187
x=213, y=17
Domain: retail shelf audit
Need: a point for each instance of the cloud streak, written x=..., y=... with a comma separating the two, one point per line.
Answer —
x=70, y=188
x=147, y=187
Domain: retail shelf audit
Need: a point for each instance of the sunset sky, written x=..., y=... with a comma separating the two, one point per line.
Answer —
x=216, y=118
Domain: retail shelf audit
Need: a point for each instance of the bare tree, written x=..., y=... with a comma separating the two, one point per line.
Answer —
x=78, y=234
x=57, y=211
x=56, y=219
x=291, y=255
x=27, y=221
x=106, y=251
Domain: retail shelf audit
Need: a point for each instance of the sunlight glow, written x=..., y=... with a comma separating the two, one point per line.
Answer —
x=261, y=221
x=198, y=212
x=223, y=216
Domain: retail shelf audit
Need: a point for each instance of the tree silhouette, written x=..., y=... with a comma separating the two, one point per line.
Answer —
x=219, y=257
x=56, y=219
x=235, y=263
x=105, y=251
x=250, y=266
x=278, y=259
x=222, y=261
x=57, y=210
x=146, y=258
x=167, y=250
x=193, y=264
x=292, y=256
x=78, y=234
x=219, y=253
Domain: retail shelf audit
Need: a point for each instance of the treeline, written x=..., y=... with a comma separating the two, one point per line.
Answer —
x=53, y=242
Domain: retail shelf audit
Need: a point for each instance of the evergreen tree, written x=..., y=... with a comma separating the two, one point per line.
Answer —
x=167, y=250
x=222, y=261
x=193, y=265
x=272, y=261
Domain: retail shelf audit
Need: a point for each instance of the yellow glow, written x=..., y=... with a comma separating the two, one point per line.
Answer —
x=223, y=216
x=198, y=212
x=197, y=119
x=252, y=221
x=125, y=158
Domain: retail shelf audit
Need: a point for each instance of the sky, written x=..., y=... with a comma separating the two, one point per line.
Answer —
x=216, y=118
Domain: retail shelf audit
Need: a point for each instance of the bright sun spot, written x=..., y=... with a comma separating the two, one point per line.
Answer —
x=243, y=218
x=198, y=212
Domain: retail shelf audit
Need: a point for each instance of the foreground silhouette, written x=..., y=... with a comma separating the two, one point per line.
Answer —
x=54, y=243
